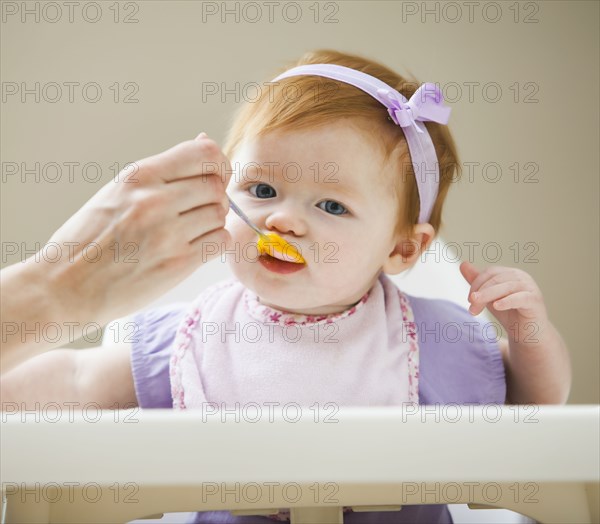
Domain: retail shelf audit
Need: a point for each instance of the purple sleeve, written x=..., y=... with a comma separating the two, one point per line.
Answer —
x=459, y=358
x=150, y=354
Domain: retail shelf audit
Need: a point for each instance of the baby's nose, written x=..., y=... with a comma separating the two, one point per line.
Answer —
x=285, y=221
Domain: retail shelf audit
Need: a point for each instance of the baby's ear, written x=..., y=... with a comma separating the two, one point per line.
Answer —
x=408, y=249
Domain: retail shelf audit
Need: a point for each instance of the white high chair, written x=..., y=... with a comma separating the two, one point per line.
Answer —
x=117, y=466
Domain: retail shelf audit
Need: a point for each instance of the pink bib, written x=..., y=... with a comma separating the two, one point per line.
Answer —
x=231, y=350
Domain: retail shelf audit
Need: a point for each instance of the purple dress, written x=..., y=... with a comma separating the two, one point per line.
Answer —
x=463, y=369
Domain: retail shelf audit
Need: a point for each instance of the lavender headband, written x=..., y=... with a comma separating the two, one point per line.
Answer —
x=426, y=105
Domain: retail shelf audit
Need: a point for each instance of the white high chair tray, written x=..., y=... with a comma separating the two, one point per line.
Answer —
x=542, y=462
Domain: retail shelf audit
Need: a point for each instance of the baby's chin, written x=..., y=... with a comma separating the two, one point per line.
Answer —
x=289, y=292
x=293, y=300
x=301, y=301
x=294, y=306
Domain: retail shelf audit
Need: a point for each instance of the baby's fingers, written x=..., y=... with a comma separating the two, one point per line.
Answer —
x=480, y=299
x=494, y=275
x=523, y=300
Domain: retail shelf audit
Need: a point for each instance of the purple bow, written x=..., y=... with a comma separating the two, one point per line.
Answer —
x=426, y=105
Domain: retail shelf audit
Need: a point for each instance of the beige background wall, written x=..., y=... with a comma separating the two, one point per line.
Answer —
x=543, y=56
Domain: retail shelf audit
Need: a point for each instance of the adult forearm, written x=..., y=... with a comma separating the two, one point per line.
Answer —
x=539, y=370
x=34, y=317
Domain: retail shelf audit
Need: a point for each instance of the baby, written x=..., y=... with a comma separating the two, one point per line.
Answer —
x=351, y=164
x=360, y=194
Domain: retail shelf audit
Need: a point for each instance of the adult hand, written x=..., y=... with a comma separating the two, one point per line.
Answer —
x=139, y=236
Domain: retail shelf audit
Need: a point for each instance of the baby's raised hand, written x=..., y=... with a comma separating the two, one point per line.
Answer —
x=511, y=295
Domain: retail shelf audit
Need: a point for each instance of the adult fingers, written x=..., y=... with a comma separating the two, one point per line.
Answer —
x=190, y=193
x=197, y=222
x=186, y=159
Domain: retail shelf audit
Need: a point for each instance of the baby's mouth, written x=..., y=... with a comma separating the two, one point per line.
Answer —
x=277, y=265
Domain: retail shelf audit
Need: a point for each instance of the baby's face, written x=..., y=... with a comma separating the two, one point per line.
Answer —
x=321, y=190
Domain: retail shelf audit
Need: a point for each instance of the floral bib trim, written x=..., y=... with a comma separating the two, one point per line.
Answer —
x=269, y=315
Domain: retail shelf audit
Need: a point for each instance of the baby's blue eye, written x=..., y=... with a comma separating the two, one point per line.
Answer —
x=333, y=207
x=262, y=190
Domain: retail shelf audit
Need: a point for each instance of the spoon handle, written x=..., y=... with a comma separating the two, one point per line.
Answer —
x=243, y=216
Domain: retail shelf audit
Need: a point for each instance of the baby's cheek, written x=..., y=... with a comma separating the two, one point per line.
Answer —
x=236, y=228
x=348, y=260
x=243, y=241
x=342, y=254
x=231, y=221
x=335, y=263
